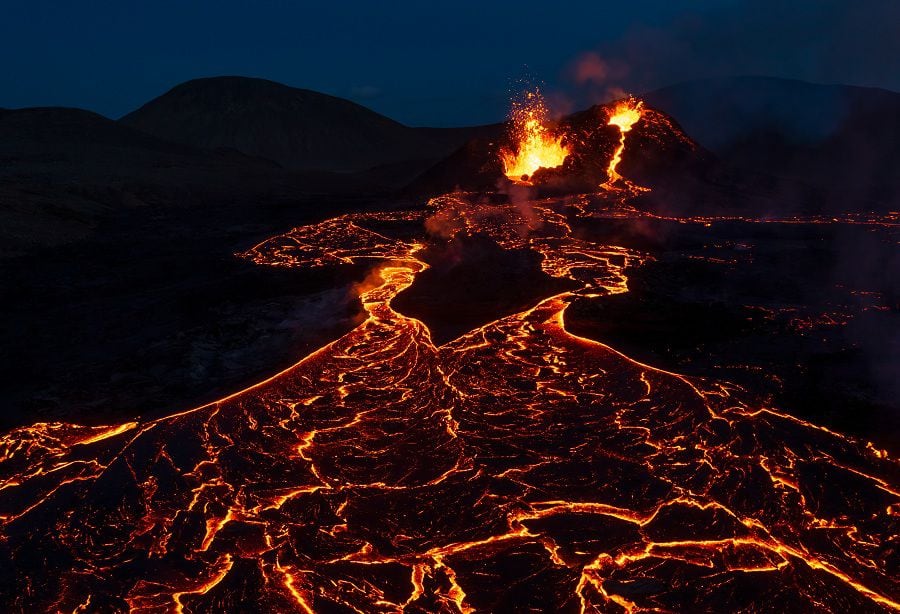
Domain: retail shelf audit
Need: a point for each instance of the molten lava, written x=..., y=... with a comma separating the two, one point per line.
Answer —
x=625, y=114
x=535, y=146
x=518, y=467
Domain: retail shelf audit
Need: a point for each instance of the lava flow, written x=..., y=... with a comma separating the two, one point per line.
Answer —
x=518, y=467
x=624, y=115
x=536, y=147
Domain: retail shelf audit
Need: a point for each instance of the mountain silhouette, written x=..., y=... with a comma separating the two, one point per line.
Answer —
x=297, y=128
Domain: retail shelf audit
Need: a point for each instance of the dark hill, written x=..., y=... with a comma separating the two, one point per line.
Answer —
x=24, y=130
x=297, y=128
x=828, y=136
x=63, y=171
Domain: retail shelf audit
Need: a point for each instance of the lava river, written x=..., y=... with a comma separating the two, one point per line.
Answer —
x=516, y=468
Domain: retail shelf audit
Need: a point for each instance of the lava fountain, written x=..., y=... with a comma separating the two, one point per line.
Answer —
x=535, y=146
x=625, y=114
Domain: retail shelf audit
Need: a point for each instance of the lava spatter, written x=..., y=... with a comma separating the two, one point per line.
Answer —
x=516, y=467
x=535, y=146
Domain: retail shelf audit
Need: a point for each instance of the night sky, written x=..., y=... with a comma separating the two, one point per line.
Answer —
x=443, y=63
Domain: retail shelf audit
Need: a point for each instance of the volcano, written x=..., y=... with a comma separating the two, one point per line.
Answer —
x=658, y=150
x=683, y=177
x=510, y=460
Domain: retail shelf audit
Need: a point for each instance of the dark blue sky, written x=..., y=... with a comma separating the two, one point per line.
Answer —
x=438, y=63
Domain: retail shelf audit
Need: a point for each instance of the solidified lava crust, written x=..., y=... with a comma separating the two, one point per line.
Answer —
x=517, y=467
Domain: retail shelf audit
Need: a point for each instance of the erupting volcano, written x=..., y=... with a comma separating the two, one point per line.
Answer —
x=535, y=145
x=516, y=467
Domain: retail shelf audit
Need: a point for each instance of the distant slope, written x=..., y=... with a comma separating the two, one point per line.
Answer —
x=62, y=171
x=28, y=130
x=297, y=128
x=826, y=135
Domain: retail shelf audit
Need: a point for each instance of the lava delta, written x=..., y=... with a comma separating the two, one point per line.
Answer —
x=514, y=467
